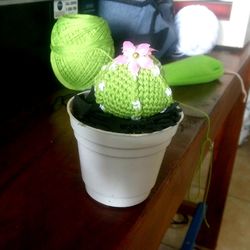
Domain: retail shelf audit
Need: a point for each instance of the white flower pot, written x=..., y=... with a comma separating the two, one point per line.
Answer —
x=119, y=169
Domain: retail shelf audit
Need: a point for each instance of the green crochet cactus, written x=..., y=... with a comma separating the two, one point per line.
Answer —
x=131, y=86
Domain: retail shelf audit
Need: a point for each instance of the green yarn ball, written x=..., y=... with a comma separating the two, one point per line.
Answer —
x=119, y=93
x=80, y=45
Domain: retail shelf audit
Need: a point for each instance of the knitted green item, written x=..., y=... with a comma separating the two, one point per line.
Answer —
x=132, y=94
x=193, y=70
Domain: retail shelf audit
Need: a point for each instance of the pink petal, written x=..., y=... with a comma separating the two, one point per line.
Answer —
x=143, y=49
x=133, y=67
x=145, y=62
x=121, y=59
x=128, y=48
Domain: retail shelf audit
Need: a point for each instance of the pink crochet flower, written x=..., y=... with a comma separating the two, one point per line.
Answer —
x=136, y=57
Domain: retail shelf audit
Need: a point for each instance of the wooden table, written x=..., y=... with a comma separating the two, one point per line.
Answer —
x=43, y=203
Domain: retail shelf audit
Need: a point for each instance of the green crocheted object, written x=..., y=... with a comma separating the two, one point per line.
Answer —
x=128, y=95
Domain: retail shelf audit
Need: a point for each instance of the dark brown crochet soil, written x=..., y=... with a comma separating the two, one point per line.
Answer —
x=86, y=110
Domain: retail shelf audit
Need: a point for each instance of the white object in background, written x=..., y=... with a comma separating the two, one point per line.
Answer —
x=235, y=32
x=64, y=7
x=197, y=29
x=245, y=129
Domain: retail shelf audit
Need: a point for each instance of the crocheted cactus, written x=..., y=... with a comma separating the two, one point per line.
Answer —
x=131, y=86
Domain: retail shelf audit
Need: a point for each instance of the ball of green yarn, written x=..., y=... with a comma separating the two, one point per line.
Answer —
x=80, y=45
x=119, y=93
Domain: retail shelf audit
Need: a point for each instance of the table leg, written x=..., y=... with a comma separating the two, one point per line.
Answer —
x=225, y=148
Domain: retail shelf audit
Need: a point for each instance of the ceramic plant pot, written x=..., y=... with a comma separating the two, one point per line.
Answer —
x=119, y=169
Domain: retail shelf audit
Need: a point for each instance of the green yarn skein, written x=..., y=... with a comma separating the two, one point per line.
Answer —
x=80, y=45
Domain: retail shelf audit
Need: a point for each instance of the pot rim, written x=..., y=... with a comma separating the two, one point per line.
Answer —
x=69, y=110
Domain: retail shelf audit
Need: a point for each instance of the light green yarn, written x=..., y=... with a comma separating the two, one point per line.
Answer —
x=119, y=93
x=80, y=45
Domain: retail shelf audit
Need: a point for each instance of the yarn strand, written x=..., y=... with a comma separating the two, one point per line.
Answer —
x=206, y=142
x=243, y=89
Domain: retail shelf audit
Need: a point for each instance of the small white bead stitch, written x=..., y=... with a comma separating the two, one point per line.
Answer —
x=104, y=67
x=168, y=91
x=135, y=118
x=102, y=107
x=136, y=105
x=155, y=71
x=101, y=86
x=163, y=110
